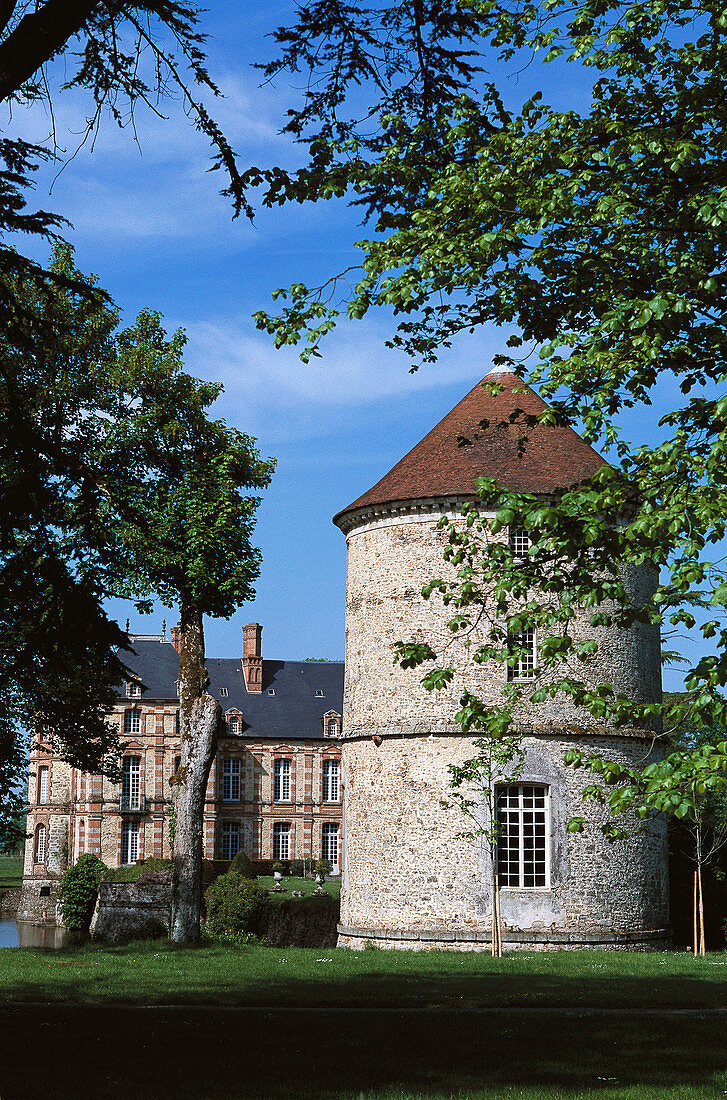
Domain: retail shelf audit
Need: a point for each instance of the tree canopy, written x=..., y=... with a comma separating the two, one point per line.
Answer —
x=596, y=240
x=57, y=647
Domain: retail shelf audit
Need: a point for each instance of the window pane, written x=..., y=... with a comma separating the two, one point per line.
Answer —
x=281, y=840
x=42, y=784
x=330, y=781
x=522, y=852
x=231, y=780
x=281, y=781
x=230, y=839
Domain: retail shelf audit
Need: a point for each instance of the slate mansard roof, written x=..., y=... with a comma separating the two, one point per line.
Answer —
x=541, y=459
x=293, y=711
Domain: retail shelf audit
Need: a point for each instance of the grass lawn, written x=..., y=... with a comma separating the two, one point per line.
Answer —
x=154, y=973
x=332, y=886
x=11, y=872
x=319, y=1030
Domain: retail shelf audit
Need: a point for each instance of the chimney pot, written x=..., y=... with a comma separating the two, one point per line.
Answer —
x=176, y=637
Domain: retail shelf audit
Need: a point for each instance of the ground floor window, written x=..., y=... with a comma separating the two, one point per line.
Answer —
x=522, y=846
x=130, y=842
x=281, y=840
x=330, y=844
x=230, y=839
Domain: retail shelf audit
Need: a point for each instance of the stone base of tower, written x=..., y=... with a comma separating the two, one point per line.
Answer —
x=435, y=939
x=414, y=878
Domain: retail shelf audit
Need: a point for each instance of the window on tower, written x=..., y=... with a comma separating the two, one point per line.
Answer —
x=523, y=652
x=522, y=814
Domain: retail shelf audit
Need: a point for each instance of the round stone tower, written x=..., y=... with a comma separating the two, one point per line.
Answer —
x=410, y=879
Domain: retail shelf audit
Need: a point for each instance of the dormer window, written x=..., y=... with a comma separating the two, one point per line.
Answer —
x=234, y=723
x=133, y=690
x=332, y=727
x=319, y=694
x=271, y=691
x=224, y=692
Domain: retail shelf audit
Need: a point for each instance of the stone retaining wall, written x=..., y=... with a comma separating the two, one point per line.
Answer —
x=131, y=910
x=9, y=903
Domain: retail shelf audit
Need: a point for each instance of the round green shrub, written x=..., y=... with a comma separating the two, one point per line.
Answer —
x=323, y=868
x=242, y=865
x=234, y=904
x=78, y=890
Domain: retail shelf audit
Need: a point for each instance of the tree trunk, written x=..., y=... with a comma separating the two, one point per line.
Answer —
x=199, y=716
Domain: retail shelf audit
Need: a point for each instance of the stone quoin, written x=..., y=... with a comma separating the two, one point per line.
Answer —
x=410, y=880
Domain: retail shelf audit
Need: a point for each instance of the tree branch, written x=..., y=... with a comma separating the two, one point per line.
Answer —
x=37, y=38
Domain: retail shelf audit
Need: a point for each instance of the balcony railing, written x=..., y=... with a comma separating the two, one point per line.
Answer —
x=133, y=803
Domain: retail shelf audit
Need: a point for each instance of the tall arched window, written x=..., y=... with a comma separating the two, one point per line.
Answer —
x=281, y=781
x=41, y=834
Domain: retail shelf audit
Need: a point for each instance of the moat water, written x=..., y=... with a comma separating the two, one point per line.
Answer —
x=26, y=934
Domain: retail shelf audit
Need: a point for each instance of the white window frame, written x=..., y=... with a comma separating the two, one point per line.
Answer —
x=131, y=783
x=520, y=541
x=41, y=842
x=231, y=776
x=133, y=690
x=331, y=784
x=132, y=721
x=43, y=784
x=281, y=780
x=522, y=669
x=331, y=727
x=281, y=840
x=518, y=824
x=330, y=837
x=230, y=845
x=234, y=723
x=129, y=842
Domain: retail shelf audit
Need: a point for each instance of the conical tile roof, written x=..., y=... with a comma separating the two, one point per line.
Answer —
x=539, y=459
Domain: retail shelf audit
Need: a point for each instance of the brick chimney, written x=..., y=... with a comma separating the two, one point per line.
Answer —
x=252, y=662
x=176, y=637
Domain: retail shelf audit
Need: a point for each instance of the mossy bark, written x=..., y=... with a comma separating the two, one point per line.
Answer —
x=199, y=717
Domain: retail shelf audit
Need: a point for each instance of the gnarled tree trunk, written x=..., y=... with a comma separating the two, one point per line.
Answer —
x=199, y=716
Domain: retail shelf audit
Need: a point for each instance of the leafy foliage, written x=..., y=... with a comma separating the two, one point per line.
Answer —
x=78, y=890
x=234, y=904
x=598, y=241
x=242, y=865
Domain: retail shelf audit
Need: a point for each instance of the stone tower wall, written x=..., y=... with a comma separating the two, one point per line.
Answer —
x=410, y=878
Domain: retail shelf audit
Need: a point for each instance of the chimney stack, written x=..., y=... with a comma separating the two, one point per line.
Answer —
x=176, y=637
x=252, y=661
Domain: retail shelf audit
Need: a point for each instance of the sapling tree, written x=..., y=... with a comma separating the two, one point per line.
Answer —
x=688, y=785
x=499, y=760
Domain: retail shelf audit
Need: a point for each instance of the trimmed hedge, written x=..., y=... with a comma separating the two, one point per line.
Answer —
x=242, y=865
x=133, y=872
x=234, y=904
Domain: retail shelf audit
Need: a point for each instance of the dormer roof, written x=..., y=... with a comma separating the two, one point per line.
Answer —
x=485, y=436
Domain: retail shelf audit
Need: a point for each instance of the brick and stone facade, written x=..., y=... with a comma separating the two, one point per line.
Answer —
x=292, y=714
x=410, y=879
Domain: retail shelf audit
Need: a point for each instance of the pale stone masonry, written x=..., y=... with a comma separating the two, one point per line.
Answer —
x=410, y=879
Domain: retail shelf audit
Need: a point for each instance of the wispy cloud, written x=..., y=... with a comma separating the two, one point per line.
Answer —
x=356, y=369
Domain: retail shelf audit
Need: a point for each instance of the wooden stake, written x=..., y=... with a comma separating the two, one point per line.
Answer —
x=694, y=940
x=702, y=948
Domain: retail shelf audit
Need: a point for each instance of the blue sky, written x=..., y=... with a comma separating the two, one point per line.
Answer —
x=147, y=219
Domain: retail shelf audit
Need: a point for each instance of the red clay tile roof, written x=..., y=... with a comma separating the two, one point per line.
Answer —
x=539, y=459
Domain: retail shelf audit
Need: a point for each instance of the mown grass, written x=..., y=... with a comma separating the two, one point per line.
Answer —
x=11, y=872
x=163, y=1054
x=332, y=886
x=155, y=973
